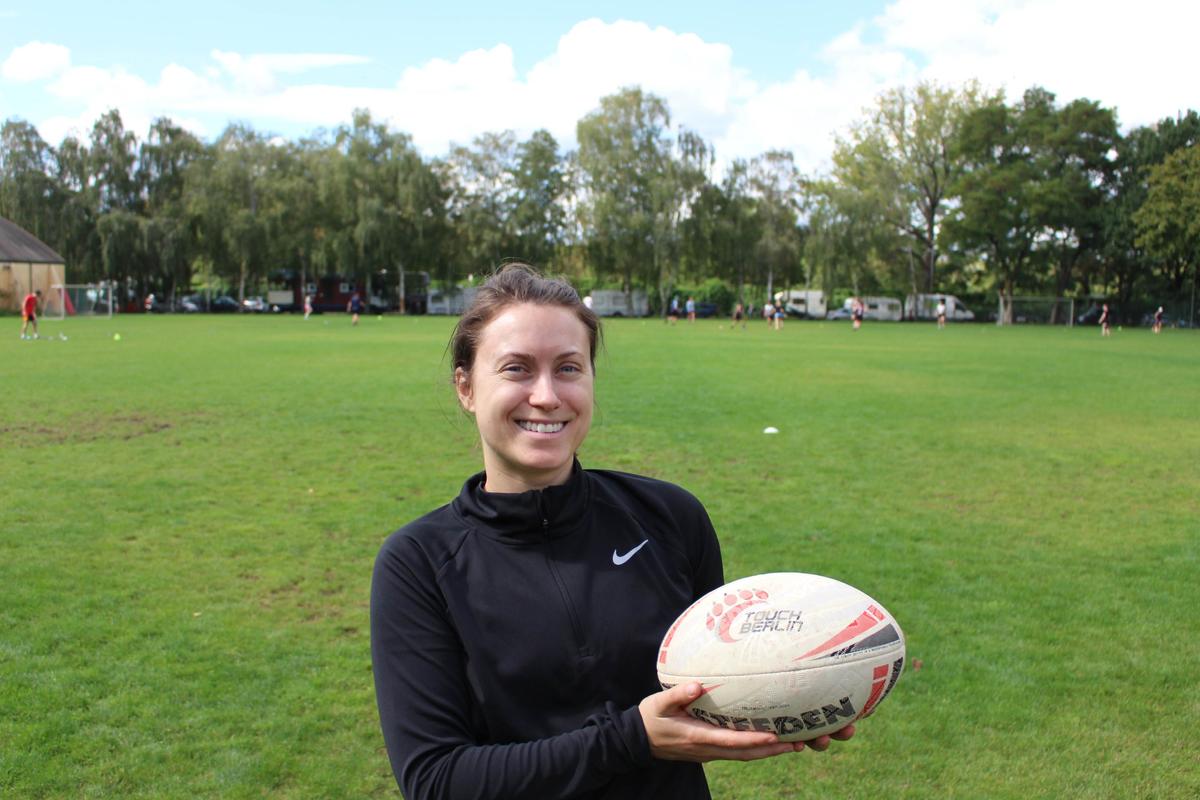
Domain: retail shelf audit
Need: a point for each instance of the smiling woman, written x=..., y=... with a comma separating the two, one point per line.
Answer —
x=514, y=630
x=528, y=381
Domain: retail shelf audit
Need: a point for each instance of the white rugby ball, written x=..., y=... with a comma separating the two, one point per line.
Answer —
x=787, y=652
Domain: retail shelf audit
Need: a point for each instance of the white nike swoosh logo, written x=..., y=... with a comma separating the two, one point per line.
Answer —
x=621, y=559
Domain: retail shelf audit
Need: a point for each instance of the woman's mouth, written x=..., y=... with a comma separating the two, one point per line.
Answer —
x=541, y=427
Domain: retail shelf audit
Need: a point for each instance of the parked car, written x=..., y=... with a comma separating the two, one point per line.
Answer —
x=841, y=313
x=199, y=302
x=187, y=305
x=254, y=304
x=706, y=310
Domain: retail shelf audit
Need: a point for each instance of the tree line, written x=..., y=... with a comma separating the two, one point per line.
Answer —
x=934, y=188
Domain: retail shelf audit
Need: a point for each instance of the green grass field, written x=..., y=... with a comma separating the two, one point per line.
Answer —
x=190, y=517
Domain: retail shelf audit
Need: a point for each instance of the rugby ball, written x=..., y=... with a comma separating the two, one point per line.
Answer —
x=790, y=653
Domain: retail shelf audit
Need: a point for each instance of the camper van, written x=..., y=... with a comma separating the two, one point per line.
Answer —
x=614, y=303
x=924, y=306
x=808, y=304
x=451, y=301
x=883, y=309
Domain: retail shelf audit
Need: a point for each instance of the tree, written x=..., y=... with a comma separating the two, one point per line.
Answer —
x=899, y=161
x=1075, y=168
x=167, y=236
x=675, y=191
x=1031, y=188
x=382, y=198
x=623, y=149
x=483, y=198
x=1138, y=153
x=113, y=157
x=296, y=211
x=28, y=193
x=1168, y=222
x=847, y=241
x=78, y=240
x=776, y=186
x=539, y=184
x=224, y=190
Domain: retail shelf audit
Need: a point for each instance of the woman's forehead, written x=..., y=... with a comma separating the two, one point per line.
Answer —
x=531, y=328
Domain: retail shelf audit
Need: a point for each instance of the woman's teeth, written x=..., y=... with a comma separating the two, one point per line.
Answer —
x=539, y=427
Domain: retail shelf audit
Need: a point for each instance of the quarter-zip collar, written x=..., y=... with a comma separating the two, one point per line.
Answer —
x=525, y=516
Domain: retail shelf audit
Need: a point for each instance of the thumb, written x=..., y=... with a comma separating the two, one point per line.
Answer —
x=677, y=698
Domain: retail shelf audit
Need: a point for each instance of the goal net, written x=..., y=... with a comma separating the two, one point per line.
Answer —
x=1020, y=310
x=80, y=299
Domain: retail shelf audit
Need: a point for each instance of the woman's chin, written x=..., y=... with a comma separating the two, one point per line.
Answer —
x=542, y=471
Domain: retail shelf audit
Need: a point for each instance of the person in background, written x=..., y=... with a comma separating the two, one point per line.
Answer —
x=1105, y=321
x=29, y=311
x=941, y=314
x=307, y=306
x=739, y=317
x=505, y=663
x=690, y=307
x=355, y=307
x=1158, y=320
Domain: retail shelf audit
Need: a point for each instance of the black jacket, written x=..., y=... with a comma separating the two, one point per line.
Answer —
x=513, y=636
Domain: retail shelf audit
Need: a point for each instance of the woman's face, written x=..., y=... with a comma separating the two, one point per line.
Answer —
x=531, y=392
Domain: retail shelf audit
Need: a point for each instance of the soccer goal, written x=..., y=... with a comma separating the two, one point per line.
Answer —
x=80, y=299
x=1038, y=310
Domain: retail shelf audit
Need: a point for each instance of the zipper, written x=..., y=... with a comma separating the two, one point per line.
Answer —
x=572, y=615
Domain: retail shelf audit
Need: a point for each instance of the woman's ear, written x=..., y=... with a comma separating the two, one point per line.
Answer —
x=462, y=385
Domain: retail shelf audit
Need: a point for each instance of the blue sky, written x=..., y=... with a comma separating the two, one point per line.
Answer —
x=768, y=74
x=771, y=41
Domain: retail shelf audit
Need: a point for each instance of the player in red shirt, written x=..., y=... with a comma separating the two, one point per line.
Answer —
x=29, y=308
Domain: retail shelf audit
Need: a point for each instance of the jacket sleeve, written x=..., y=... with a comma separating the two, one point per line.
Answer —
x=705, y=555
x=426, y=706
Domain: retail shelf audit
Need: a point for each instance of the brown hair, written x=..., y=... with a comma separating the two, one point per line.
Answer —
x=511, y=285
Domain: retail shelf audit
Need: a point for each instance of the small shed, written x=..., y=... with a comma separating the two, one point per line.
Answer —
x=27, y=264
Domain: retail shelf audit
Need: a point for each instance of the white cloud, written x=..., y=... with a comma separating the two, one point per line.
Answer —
x=595, y=59
x=188, y=97
x=442, y=101
x=35, y=61
x=1139, y=62
x=259, y=73
x=1136, y=58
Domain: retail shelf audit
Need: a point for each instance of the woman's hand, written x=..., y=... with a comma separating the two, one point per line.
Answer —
x=676, y=736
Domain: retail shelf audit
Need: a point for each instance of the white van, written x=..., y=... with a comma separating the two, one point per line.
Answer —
x=614, y=303
x=924, y=306
x=450, y=301
x=805, y=304
x=884, y=309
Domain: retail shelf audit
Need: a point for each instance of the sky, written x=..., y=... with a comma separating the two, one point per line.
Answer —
x=749, y=77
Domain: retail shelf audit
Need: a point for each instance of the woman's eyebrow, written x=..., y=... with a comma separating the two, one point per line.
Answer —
x=574, y=351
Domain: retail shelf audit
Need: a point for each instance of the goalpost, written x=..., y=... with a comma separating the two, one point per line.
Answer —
x=80, y=299
x=1036, y=309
